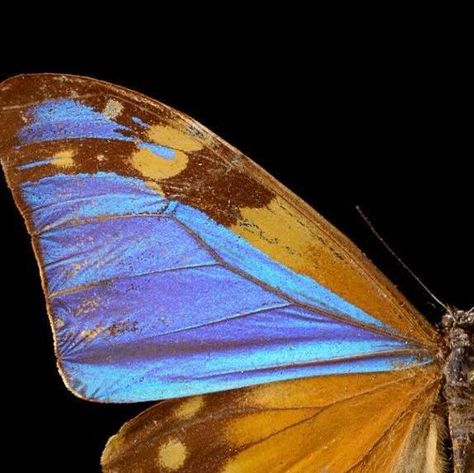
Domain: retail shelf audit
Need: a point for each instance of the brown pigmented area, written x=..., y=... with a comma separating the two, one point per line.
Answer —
x=205, y=173
x=221, y=193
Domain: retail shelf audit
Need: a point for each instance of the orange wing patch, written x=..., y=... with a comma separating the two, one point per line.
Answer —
x=283, y=232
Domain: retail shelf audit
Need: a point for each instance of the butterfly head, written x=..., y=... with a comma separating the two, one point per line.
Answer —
x=456, y=319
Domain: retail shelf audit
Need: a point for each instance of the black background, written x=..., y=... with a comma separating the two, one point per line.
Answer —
x=386, y=129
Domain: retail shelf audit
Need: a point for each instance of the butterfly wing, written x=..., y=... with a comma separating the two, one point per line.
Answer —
x=172, y=265
x=314, y=424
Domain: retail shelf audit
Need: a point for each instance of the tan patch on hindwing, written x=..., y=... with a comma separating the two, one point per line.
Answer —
x=189, y=408
x=171, y=455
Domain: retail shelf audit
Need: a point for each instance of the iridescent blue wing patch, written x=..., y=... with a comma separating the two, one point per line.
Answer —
x=152, y=299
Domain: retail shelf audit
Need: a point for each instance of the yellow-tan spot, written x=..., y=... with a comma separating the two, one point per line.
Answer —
x=112, y=109
x=153, y=166
x=189, y=408
x=100, y=157
x=63, y=159
x=173, y=138
x=171, y=455
x=278, y=395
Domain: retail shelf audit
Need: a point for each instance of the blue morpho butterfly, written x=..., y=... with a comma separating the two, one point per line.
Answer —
x=174, y=267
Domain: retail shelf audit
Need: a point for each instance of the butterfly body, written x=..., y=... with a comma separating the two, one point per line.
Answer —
x=174, y=267
x=458, y=370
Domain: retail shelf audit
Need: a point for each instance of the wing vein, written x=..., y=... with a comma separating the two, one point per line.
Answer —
x=91, y=221
x=366, y=356
x=285, y=296
x=84, y=287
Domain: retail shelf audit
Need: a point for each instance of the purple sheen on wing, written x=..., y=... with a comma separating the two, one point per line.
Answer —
x=111, y=249
x=152, y=299
x=61, y=200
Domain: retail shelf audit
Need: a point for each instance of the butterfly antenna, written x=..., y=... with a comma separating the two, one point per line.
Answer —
x=400, y=261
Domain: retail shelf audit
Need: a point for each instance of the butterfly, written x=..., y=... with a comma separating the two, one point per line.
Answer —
x=174, y=268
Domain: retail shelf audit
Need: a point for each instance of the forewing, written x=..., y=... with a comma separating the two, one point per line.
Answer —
x=172, y=264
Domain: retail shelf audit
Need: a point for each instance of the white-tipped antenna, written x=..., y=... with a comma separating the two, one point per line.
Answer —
x=400, y=261
x=471, y=310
